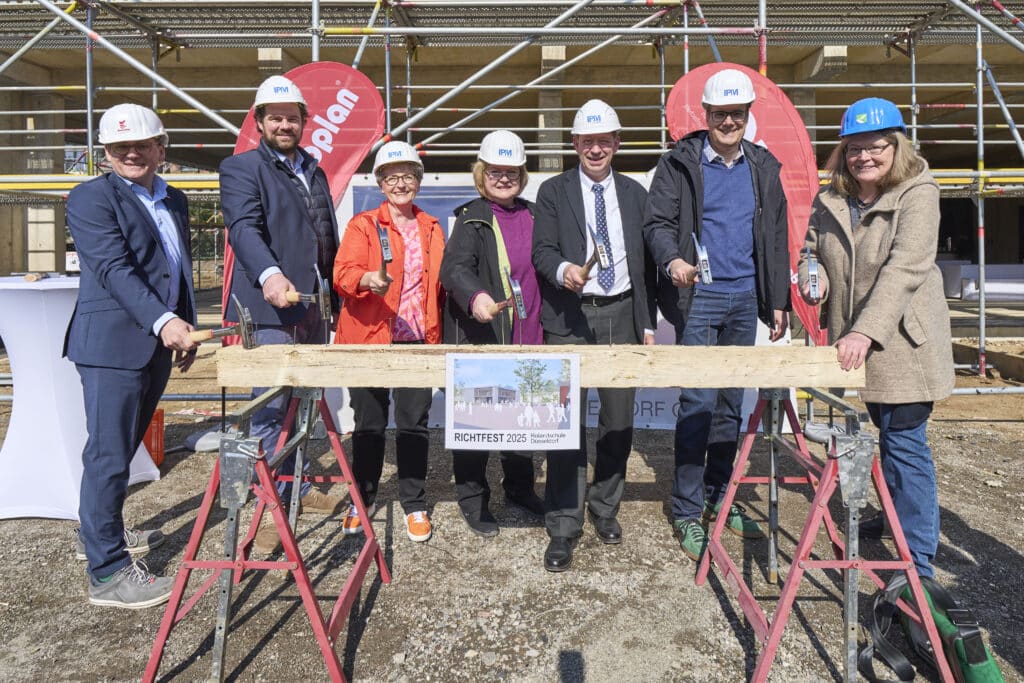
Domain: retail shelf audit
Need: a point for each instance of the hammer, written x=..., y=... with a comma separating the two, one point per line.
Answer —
x=385, y=252
x=243, y=327
x=322, y=299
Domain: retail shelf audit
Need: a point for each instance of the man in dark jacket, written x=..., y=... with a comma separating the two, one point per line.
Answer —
x=280, y=219
x=578, y=212
x=718, y=190
x=131, y=324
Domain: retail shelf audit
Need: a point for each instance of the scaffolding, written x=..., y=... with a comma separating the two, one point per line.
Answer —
x=158, y=53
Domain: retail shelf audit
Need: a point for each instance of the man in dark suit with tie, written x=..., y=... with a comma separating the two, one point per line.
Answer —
x=135, y=310
x=280, y=219
x=588, y=210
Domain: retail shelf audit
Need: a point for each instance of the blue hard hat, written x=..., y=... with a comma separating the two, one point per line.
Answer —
x=869, y=115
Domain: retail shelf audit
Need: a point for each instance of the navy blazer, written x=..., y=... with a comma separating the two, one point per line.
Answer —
x=126, y=278
x=268, y=225
x=559, y=234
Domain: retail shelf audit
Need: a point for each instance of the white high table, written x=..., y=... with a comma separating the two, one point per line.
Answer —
x=41, y=457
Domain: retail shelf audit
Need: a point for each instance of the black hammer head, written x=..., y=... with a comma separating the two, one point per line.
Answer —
x=323, y=297
x=245, y=328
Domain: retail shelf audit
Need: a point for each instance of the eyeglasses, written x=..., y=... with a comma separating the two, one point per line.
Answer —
x=718, y=117
x=495, y=174
x=405, y=179
x=123, y=149
x=854, y=151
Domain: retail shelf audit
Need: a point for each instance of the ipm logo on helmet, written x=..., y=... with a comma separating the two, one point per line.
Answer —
x=283, y=89
x=594, y=118
x=505, y=152
x=395, y=154
x=730, y=91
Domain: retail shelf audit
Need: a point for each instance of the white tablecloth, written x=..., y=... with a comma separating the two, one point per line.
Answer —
x=41, y=457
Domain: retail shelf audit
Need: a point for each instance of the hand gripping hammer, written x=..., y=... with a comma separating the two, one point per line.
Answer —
x=243, y=328
x=322, y=299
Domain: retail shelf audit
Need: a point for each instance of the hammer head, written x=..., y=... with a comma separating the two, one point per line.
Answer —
x=323, y=299
x=245, y=327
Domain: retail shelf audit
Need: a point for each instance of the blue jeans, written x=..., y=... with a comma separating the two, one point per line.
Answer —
x=909, y=473
x=708, y=423
x=268, y=422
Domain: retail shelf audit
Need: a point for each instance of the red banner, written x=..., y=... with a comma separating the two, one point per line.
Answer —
x=775, y=124
x=346, y=118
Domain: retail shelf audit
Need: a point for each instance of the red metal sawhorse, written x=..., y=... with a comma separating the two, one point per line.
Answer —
x=851, y=462
x=232, y=475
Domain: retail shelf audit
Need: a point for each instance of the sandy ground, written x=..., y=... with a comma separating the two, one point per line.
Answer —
x=461, y=608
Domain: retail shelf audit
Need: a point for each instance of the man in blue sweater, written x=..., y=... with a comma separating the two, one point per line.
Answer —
x=723, y=192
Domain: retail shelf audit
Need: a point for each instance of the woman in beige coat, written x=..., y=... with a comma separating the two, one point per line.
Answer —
x=874, y=231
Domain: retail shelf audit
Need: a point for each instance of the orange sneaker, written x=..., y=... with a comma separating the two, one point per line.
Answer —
x=417, y=525
x=352, y=525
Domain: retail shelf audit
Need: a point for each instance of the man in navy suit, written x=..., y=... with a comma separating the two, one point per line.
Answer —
x=135, y=309
x=584, y=209
x=280, y=218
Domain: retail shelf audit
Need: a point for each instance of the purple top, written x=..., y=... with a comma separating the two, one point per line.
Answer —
x=517, y=228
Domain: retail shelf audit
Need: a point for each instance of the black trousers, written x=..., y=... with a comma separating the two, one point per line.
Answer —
x=567, y=470
x=470, y=470
x=411, y=442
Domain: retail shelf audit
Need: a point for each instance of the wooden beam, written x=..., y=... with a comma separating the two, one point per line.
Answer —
x=600, y=366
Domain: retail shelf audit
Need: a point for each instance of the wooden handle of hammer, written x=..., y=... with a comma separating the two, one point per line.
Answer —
x=35, y=277
x=199, y=336
x=293, y=297
x=589, y=265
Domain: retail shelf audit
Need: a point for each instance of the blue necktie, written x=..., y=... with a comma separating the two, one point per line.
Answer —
x=606, y=276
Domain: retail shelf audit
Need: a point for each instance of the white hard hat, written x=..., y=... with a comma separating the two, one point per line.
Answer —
x=130, y=123
x=728, y=86
x=396, y=152
x=595, y=116
x=502, y=148
x=278, y=89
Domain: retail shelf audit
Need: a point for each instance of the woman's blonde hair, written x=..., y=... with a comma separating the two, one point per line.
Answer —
x=479, y=167
x=906, y=163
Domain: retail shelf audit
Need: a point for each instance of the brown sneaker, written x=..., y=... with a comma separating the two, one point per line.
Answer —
x=267, y=539
x=319, y=503
x=417, y=525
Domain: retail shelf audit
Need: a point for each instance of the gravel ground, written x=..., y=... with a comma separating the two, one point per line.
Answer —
x=461, y=608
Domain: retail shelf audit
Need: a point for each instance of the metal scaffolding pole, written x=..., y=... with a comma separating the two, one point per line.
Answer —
x=517, y=90
x=35, y=39
x=704, y=23
x=131, y=61
x=980, y=202
x=686, y=41
x=481, y=73
x=387, y=73
x=314, y=30
x=1009, y=15
x=982, y=20
x=912, y=50
x=90, y=165
x=1006, y=112
x=762, y=38
x=366, y=39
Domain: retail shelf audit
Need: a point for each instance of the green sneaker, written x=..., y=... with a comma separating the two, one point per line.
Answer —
x=692, y=538
x=737, y=521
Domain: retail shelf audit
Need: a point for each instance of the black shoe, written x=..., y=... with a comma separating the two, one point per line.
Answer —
x=874, y=527
x=527, y=500
x=481, y=523
x=558, y=556
x=607, y=528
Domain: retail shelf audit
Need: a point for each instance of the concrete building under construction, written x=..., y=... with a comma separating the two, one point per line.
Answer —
x=451, y=70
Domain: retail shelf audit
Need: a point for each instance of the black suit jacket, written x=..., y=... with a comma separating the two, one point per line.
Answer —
x=559, y=234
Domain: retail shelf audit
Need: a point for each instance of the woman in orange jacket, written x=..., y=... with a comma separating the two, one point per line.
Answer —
x=386, y=272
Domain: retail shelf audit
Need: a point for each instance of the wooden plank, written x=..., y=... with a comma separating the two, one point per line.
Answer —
x=600, y=366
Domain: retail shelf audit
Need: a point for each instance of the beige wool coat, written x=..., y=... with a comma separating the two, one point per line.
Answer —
x=880, y=279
